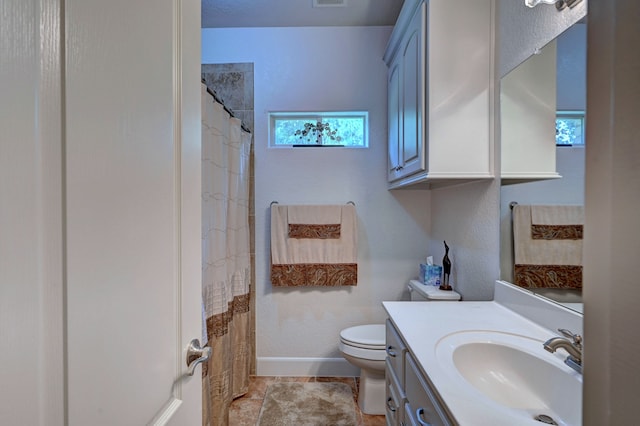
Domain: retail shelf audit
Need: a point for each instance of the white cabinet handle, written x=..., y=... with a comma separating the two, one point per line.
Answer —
x=419, y=413
x=196, y=355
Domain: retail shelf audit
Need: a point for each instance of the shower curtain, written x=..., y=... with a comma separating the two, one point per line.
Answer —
x=226, y=267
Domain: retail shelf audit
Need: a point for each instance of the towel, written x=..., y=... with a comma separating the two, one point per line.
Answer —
x=548, y=246
x=313, y=245
x=557, y=222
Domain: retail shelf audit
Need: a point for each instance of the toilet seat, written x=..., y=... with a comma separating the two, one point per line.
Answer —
x=369, y=336
x=364, y=347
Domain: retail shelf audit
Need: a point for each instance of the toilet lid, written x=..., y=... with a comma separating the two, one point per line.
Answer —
x=369, y=336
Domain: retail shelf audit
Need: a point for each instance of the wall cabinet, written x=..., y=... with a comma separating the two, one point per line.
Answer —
x=441, y=93
x=528, y=117
x=410, y=398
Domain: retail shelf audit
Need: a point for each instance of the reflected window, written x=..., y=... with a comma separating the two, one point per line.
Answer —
x=570, y=128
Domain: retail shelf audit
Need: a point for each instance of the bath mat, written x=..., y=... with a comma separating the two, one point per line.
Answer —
x=308, y=404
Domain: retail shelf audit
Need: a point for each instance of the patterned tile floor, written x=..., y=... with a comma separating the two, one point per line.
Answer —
x=245, y=410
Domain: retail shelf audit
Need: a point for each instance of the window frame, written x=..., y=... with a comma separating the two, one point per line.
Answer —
x=314, y=116
x=572, y=114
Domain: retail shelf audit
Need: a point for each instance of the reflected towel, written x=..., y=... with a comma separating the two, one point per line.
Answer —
x=557, y=222
x=321, y=252
x=547, y=254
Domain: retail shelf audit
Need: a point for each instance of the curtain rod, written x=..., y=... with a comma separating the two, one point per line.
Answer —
x=221, y=102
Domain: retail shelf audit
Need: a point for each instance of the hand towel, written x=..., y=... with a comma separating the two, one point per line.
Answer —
x=547, y=257
x=557, y=222
x=313, y=245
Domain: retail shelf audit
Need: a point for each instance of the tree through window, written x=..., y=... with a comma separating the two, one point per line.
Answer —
x=348, y=129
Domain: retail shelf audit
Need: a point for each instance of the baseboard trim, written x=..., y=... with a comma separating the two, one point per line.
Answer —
x=305, y=367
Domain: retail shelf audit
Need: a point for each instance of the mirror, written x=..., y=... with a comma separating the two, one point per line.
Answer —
x=570, y=94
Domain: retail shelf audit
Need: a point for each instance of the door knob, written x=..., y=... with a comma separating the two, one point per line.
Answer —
x=196, y=355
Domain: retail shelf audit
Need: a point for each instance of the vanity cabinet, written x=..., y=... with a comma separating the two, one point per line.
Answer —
x=440, y=93
x=394, y=376
x=410, y=398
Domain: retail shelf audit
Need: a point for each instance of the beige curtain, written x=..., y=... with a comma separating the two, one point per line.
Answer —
x=226, y=270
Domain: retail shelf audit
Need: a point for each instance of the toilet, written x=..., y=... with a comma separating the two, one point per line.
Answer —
x=364, y=346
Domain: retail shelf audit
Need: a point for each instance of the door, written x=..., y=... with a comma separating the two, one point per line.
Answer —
x=101, y=278
x=133, y=210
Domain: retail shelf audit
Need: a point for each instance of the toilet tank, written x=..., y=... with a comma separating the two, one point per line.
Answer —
x=430, y=293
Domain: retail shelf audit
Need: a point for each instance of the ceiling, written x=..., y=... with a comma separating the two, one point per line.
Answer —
x=298, y=13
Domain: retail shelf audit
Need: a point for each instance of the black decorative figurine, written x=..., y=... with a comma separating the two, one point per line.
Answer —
x=446, y=269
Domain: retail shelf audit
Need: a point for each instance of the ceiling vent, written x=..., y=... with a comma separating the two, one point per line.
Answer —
x=329, y=3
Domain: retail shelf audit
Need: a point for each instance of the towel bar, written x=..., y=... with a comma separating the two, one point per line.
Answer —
x=275, y=202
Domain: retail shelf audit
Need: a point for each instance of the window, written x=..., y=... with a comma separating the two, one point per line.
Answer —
x=570, y=128
x=316, y=129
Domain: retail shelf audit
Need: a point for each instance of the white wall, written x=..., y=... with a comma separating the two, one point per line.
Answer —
x=466, y=216
x=571, y=78
x=338, y=68
x=522, y=29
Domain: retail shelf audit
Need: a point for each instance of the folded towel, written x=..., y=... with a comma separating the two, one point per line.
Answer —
x=557, y=215
x=313, y=245
x=553, y=261
x=557, y=222
x=314, y=221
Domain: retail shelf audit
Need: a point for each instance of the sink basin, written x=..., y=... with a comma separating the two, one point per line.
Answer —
x=515, y=373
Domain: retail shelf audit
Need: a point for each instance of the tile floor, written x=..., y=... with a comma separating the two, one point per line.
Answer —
x=245, y=410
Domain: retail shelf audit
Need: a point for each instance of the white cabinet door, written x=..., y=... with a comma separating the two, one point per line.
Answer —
x=407, y=97
x=100, y=221
x=395, y=119
x=413, y=96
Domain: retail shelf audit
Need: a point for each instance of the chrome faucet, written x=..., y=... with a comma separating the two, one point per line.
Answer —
x=572, y=343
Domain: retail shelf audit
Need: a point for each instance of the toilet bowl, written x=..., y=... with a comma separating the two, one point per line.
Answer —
x=364, y=347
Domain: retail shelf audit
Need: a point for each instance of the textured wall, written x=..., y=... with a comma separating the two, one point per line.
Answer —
x=298, y=69
x=467, y=217
x=522, y=30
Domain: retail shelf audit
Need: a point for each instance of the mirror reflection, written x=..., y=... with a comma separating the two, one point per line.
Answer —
x=537, y=173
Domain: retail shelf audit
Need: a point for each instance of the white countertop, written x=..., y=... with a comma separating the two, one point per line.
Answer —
x=423, y=324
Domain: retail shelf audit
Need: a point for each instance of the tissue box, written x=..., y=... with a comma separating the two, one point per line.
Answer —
x=430, y=274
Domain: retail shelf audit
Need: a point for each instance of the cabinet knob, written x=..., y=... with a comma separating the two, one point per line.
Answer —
x=391, y=352
x=390, y=405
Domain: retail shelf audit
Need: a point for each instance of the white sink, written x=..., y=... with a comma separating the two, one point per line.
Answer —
x=513, y=373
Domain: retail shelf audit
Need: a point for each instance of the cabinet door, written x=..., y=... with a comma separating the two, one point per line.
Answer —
x=413, y=96
x=422, y=407
x=395, y=118
x=394, y=397
x=395, y=352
